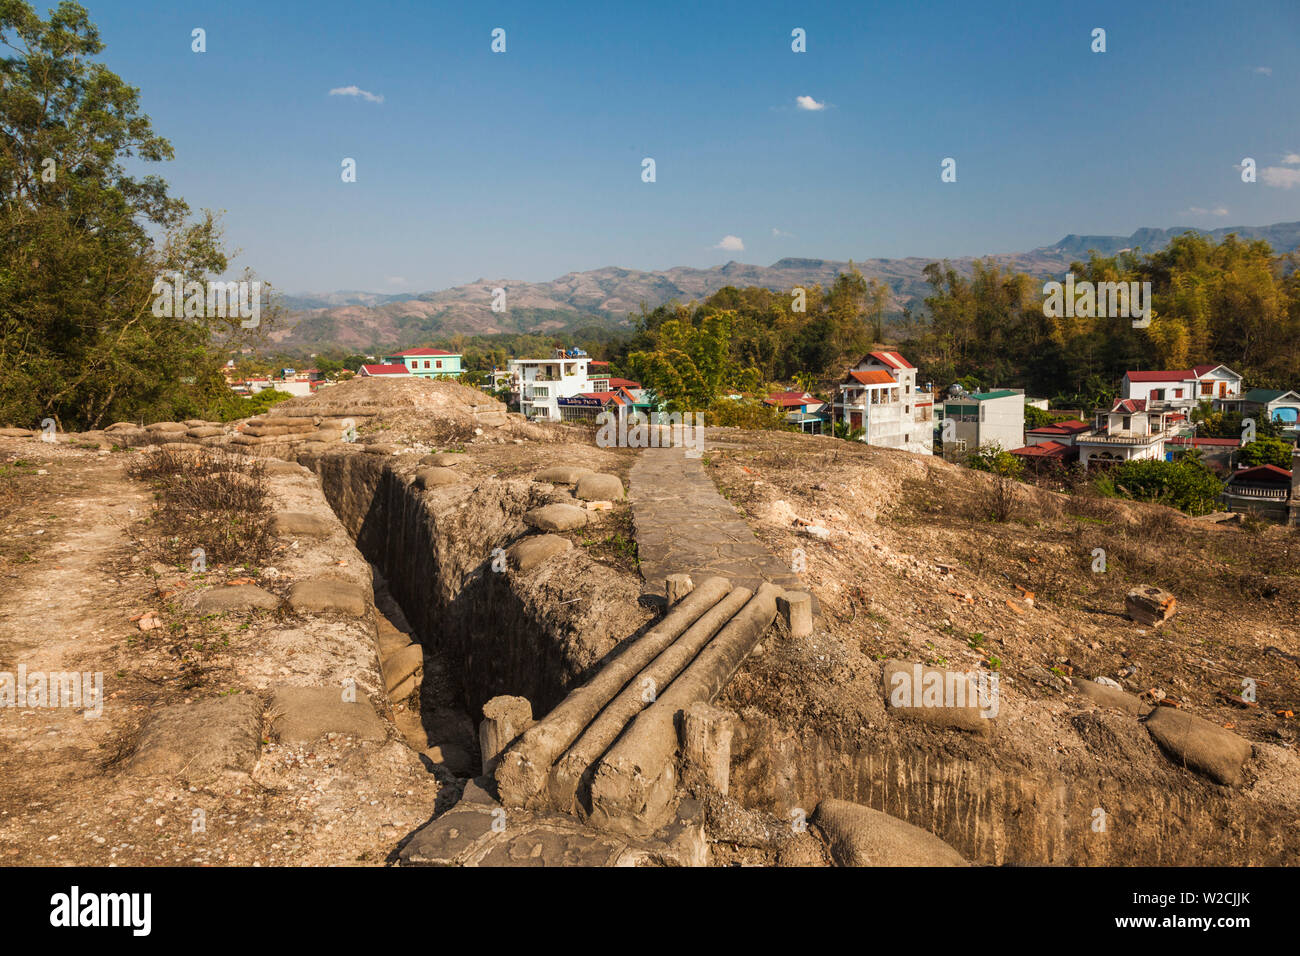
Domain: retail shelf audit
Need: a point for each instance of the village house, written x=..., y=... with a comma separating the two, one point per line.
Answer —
x=427, y=363
x=1265, y=490
x=563, y=387
x=621, y=399
x=879, y=395
x=1053, y=443
x=387, y=370
x=802, y=409
x=1063, y=432
x=975, y=420
x=1127, y=432
x=1277, y=405
x=1183, y=388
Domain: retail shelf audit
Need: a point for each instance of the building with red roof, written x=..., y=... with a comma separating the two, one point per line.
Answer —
x=1182, y=388
x=1265, y=490
x=880, y=396
x=427, y=362
x=1131, y=430
x=387, y=370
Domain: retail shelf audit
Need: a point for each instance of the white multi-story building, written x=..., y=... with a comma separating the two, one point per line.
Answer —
x=1129, y=431
x=536, y=385
x=982, y=420
x=1183, y=388
x=879, y=395
x=540, y=388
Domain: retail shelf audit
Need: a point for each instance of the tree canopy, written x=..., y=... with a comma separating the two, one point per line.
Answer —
x=82, y=241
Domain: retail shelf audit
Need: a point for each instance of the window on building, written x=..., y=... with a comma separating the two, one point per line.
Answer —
x=1178, y=393
x=1207, y=388
x=426, y=364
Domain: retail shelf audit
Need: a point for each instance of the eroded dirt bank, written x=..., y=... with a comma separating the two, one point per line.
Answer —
x=911, y=570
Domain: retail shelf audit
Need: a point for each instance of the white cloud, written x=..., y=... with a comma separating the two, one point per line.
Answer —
x=396, y=280
x=779, y=234
x=1265, y=70
x=1280, y=176
x=731, y=244
x=808, y=103
x=1216, y=211
x=356, y=91
x=1291, y=159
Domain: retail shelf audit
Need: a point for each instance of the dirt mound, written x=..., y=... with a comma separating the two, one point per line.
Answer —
x=362, y=395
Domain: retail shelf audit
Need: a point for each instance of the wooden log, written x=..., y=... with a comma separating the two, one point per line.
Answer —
x=640, y=693
x=706, y=733
x=634, y=787
x=522, y=771
x=504, y=719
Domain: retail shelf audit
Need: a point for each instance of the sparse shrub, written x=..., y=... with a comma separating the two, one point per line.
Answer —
x=449, y=431
x=998, y=500
x=1252, y=523
x=1157, y=525
x=214, y=500
x=992, y=458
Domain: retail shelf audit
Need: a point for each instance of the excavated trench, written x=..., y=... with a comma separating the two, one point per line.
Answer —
x=532, y=636
x=540, y=635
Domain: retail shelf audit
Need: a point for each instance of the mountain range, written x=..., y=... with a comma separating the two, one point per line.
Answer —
x=369, y=321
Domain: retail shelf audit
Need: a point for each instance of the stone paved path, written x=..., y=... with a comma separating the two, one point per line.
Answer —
x=683, y=526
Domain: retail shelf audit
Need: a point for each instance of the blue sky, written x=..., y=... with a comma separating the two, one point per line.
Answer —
x=527, y=165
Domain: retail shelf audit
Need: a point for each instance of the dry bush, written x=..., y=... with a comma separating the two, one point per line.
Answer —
x=448, y=431
x=1159, y=525
x=1092, y=506
x=1252, y=523
x=997, y=500
x=216, y=501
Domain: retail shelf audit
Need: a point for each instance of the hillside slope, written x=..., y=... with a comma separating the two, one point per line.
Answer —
x=605, y=297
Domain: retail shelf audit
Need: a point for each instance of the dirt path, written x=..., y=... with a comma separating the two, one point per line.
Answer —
x=65, y=606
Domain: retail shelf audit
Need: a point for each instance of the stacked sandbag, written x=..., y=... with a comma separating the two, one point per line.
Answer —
x=160, y=433
x=292, y=430
x=205, y=433
x=126, y=434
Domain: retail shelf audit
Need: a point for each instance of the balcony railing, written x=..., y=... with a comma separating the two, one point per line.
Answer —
x=1119, y=439
x=1258, y=491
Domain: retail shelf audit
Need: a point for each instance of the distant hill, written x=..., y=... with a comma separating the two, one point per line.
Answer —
x=367, y=321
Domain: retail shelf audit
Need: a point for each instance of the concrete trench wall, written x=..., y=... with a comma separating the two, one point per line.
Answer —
x=534, y=635
x=999, y=811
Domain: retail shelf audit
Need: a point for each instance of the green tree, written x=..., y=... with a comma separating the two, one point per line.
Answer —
x=82, y=240
x=1185, y=484
x=991, y=458
x=1267, y=451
